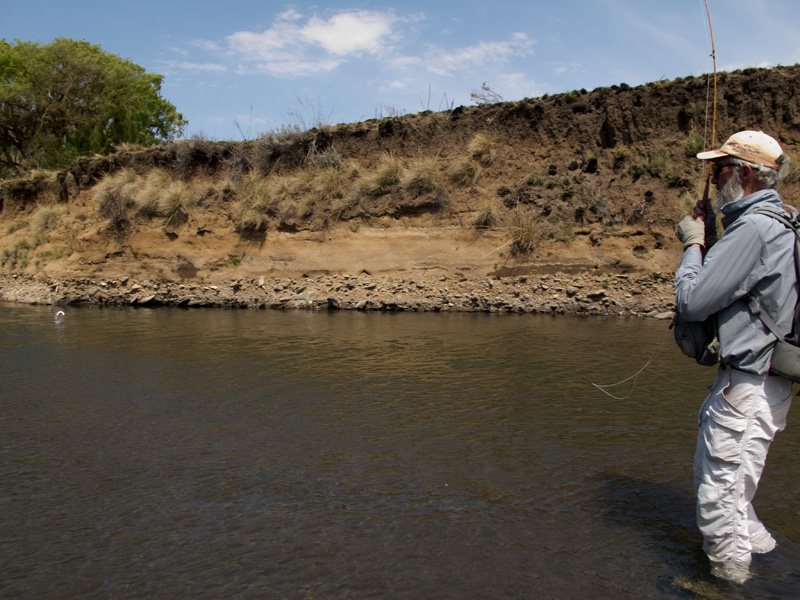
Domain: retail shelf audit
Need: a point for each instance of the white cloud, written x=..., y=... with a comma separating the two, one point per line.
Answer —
x=352, y=32
x=560, y=68
x=290, y=67
x=250, y=119
x=402, y=62
x=290, y=14
x=516, y=85
x=190, y=66
x=207, y=45
x=264, y=45
x=292, y=48
x=444, y=62
x=297, y=45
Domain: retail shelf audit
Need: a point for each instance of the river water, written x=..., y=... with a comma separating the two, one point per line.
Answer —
x=168, y=453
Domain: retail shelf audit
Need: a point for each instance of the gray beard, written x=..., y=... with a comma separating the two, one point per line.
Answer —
x=730, y=192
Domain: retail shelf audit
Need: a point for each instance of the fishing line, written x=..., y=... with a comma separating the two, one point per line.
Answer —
x=635, y=376
x=714, y=119
x=709, y=34
x=496, y=249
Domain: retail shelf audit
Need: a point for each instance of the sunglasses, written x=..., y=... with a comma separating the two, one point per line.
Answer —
x=716, y=168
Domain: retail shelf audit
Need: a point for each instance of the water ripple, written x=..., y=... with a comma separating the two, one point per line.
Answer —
x=250, y=454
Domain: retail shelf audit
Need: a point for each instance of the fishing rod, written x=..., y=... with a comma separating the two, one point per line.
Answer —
x=710, y=220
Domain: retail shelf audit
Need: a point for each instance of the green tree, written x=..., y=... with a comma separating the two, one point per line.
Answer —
x=70, y=98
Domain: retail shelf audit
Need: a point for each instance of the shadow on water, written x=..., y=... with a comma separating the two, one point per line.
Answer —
x=667, y=516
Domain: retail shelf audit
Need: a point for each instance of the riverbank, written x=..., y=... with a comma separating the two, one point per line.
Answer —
x=648, y=295
x=562, y=204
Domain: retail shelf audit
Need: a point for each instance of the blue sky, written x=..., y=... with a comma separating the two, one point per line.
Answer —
x=239, y=68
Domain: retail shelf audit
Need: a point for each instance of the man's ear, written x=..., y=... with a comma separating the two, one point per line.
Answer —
x=748, y=179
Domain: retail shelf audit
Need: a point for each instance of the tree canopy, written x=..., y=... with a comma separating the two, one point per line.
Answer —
x=70, y=98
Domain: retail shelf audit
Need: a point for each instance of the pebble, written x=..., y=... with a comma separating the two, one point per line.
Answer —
x=648, y=295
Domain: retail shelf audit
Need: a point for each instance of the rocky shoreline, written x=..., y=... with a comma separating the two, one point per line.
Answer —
x=638, y=295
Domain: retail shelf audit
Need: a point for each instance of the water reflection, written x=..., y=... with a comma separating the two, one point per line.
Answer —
x=252, y=454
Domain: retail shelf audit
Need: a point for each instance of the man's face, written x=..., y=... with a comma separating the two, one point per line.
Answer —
x=723, y=176
x=721, y=171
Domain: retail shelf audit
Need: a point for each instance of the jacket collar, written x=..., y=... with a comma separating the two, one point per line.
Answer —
x=734, y=210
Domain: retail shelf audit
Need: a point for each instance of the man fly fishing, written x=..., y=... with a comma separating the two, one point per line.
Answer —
x=752, y=261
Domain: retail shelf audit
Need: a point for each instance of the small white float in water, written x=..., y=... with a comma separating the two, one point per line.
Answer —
x=60, y=316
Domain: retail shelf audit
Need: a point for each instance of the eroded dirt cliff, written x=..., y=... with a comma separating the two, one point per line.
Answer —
x=561, y=204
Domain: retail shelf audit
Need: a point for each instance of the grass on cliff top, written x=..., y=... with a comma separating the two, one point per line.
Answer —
x=313, y=187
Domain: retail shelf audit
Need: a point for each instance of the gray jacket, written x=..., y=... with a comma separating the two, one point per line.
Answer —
x=754, y=256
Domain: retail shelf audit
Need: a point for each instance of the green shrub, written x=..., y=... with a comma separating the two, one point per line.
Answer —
x=566, y=188
x=657, y=165
x=17, y=256
x=536, y=179
x=693, y=144
x=42, y=258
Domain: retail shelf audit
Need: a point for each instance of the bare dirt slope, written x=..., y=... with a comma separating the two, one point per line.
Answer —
x=423, y=211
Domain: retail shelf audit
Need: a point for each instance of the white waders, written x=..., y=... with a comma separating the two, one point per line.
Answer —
x=738, y=421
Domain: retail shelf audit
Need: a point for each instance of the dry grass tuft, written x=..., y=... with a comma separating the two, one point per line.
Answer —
x=115, y=195
x=147, y=198
x=421, y=177
x=482, y=149
x=44, y=220
x=524, y=231
x=465, y=171
x=253, y=201
x=384, y=179
x=486, y=217
x=175, y=203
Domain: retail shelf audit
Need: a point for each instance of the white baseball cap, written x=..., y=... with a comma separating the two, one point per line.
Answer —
x=753, y=146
